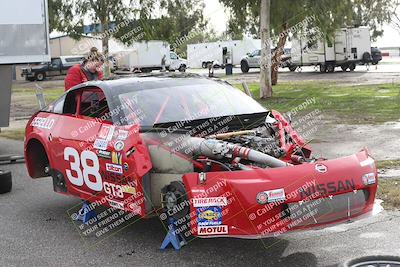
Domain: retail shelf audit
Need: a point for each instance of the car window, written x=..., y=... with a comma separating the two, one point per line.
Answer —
x=57, y=106
x=93, y=104
x=56, y=62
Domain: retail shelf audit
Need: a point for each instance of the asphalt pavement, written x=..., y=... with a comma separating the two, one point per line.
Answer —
x=36, y=230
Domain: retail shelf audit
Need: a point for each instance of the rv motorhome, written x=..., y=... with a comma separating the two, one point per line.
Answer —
x=349, y=47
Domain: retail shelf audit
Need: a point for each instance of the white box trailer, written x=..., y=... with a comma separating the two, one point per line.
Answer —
x=147, y=56
x=349, y=47
x=220, y=53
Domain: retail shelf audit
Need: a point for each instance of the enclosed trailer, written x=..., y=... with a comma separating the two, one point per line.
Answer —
x=148, y=56
x=348, y=47
x=221, y=52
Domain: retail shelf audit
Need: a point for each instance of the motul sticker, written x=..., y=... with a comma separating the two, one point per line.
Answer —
x=100, y=144
x=114, y=168
x=212, y=230
x=210, y=201
x=321, y=168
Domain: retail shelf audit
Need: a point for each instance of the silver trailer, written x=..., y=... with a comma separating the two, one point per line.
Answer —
x=347, y=48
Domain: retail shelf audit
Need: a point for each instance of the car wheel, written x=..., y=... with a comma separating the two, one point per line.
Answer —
x=372, y=261
x=5, y=182
x=344, y=67
x=330, y=68
x=204, y=65
x=322, y=68
x=182, y=68
x=352, y=67
x=292, y=68
x=244, y=66
x=40, y=76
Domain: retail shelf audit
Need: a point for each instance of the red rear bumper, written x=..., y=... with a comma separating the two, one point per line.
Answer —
x=262, y=202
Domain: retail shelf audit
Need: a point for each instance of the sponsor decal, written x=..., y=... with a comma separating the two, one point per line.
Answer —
x=209, y=216
x=210, y=201
x=122, y=135
x=104, y=154
x=43, y=123
x=100, y=144
x=116, y=204
x=369, y=178
x=368, y=162
x=116, y=158
x=321, y=168
x=134, y=208
x=126, y=166
x=113, y=190
x=119, y=145
x=262, y=198
x=328, y=188
x=129, y=189
x=212, y=230
x=106, y=132
x=275, y=195
x=114, y=168
x=115, y=178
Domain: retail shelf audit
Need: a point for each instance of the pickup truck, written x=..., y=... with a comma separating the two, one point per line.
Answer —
x=57, y=66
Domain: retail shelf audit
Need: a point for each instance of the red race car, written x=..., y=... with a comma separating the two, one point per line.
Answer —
x=194, y=150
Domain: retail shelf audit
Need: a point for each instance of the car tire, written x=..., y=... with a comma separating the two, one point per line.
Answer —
x=244, y=66
x=182, y=68
x=204, y=65
x=330, y=68
x=322, y=68
x=372, y=261
x=5, y=182
x=344, y=67
x=292, y=68
x=352, y=67
x=40, y=76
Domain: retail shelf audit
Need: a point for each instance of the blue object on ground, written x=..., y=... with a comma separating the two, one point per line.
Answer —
x=85, y=213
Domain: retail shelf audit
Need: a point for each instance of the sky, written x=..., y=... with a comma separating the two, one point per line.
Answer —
x=218, y=19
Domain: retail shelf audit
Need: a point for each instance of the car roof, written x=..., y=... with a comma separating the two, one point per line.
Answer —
x=146, y=81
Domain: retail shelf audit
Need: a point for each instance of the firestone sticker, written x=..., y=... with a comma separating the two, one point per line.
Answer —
x=211, y=201
x=209, y=216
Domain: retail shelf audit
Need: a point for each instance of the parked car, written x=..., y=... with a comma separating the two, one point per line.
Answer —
x=57, y=66
x=253, y=60
x=376, y=55
x=197, y=150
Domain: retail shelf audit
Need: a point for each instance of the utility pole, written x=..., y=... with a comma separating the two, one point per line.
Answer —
x=265, y=72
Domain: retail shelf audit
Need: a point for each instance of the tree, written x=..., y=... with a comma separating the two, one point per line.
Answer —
x=327, y=16
x=265, y=73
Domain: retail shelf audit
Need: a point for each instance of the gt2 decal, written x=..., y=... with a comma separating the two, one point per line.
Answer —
x=328, y=188
x=113, y=189
x=72, y=156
